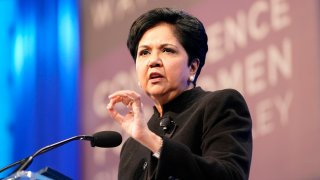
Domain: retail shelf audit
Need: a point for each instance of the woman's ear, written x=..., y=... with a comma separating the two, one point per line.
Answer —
x=194, y=66
x=193, y=70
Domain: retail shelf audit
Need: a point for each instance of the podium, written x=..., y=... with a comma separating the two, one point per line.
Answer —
x=44, y=174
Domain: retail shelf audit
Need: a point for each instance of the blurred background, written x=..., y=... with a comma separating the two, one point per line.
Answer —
x=59, y=60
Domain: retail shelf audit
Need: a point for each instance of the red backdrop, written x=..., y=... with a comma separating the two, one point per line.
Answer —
x=267, y=49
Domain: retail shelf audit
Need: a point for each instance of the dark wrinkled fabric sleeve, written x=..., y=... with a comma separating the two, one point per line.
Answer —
x=226, y=143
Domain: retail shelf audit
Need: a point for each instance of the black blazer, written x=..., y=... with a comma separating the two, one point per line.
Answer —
x=210, y=138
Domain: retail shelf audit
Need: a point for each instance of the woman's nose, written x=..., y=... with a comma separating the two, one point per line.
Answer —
x=155, y=61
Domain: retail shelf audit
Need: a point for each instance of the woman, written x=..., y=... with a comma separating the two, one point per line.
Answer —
x=193, y=134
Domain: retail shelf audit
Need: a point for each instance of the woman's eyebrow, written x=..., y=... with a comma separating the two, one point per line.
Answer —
x=161, y=46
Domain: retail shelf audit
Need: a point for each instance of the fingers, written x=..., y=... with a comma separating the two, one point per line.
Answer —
x=115, y=115
x=126, y=97
x=132, y=121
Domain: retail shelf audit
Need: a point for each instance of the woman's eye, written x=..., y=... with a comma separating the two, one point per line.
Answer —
x=143, y=52
x=169, y=50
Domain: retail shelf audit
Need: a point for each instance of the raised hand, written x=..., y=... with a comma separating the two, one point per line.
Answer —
x=133, y=122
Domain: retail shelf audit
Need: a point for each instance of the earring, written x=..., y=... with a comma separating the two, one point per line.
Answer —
x=191, y=78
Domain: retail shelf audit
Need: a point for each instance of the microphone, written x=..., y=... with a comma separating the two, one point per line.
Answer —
x=104, y=139
x=166, y=123
x=168, y=126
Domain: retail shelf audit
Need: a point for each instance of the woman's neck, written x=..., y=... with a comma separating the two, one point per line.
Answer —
x=163, y=99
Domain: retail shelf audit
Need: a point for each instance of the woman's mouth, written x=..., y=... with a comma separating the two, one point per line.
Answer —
x=155, y=77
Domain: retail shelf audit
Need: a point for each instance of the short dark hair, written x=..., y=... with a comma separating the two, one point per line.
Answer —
x=189, y=30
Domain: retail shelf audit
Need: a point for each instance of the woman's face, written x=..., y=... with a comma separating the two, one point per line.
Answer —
x=162, y=63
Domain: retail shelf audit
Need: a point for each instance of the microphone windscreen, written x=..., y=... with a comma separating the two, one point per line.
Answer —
x=106, y=139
